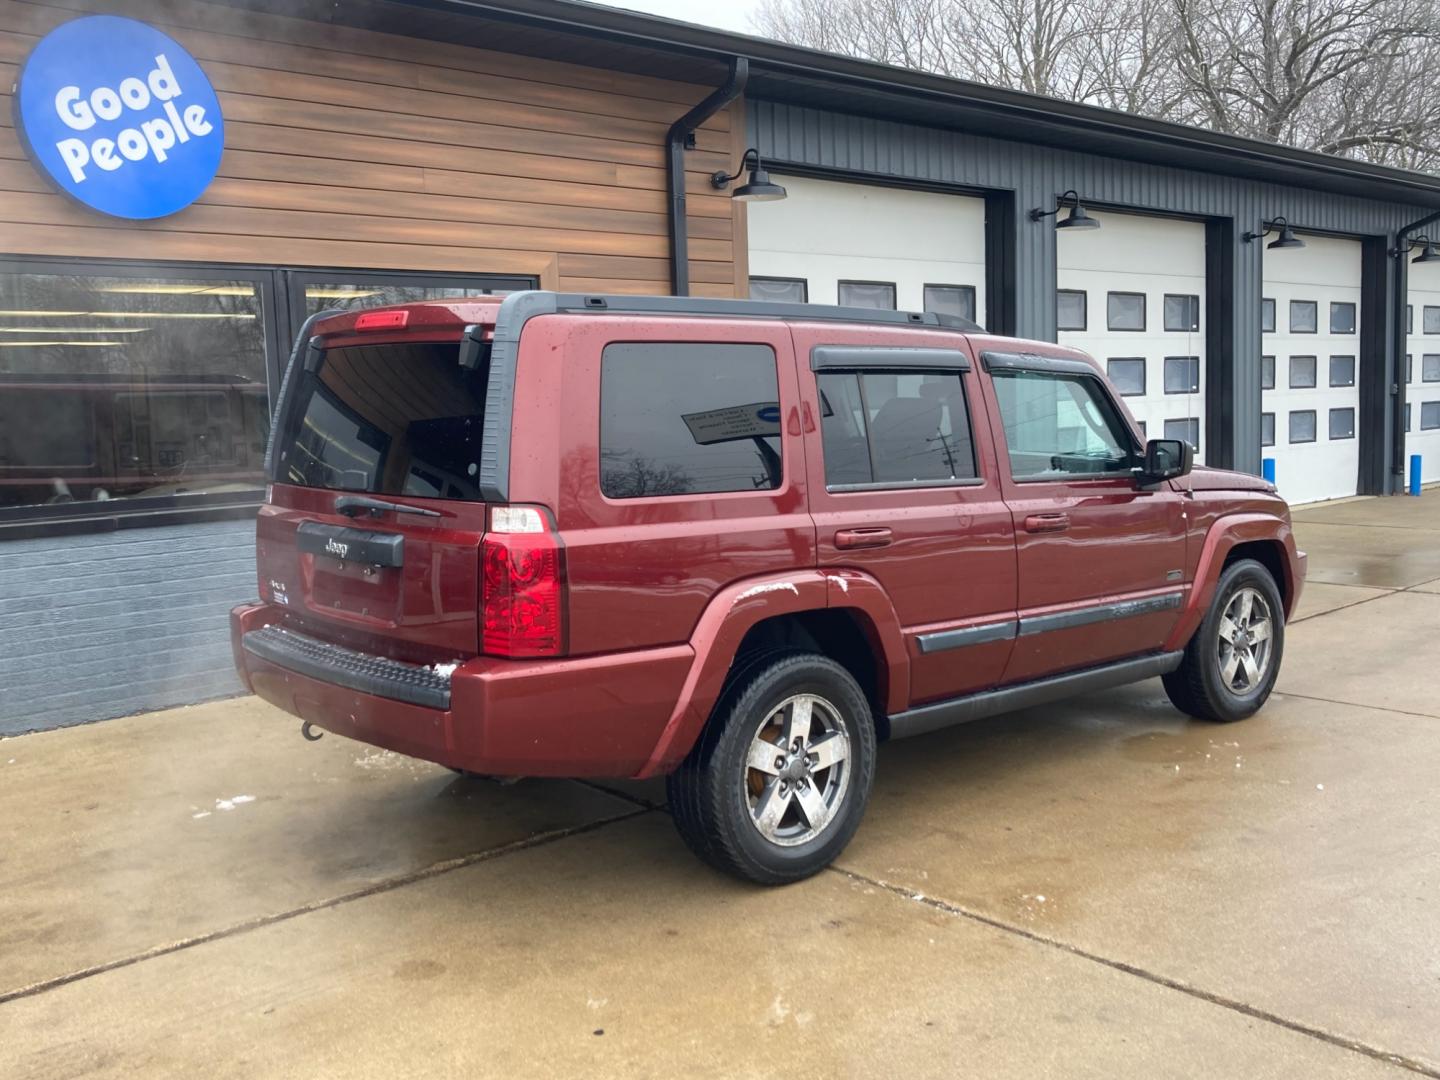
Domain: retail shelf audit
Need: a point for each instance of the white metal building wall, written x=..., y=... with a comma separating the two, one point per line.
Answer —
x=1422, y=391
x=1153, y=267
x=826, y=232
x=1315, y=401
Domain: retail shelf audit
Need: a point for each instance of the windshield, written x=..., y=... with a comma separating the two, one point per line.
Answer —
x=403, y=419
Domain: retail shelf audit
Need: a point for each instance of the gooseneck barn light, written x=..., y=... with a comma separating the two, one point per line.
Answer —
x=1077, y=218
x=1285, y=239
x=759, y=188
x=1428, y=254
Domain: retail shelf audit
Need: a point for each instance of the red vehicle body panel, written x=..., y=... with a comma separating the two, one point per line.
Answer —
x=661, y=593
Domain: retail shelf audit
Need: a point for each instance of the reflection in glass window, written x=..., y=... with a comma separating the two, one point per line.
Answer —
x=1070, y=309
x=1342, y=371
x=121, y=387
x=1182, y=374
x=951, y=300
x=1302, y=372
x=895, y=427
x=682, y=419
x=1342, y=423
x=779, y=290
x=1127, y=374
x=1185, y=428
x=1060, y=425
x=323, y=296
x=1342, y=318
x=1125, y=311
x=876, y=295
x=1304, y=316
x=1302, y=426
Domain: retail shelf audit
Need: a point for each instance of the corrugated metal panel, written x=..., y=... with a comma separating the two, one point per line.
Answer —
x=814, y=139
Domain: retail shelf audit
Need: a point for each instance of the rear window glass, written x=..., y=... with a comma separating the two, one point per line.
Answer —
x=402, y=419
x=685, y=419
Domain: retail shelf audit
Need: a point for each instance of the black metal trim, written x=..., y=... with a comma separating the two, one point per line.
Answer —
x=675, y=139
x=942, y=714
x=1223, y=384
x=1031, y=625
x=906, y=485
x=983, y=634
x=301, y=354
x=369, y=674
x=885, y=357
x=1372, y=371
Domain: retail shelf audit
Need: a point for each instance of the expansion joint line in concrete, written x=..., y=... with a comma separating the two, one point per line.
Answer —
x=1342, y=1041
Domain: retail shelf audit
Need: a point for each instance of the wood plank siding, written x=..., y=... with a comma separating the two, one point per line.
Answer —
x=356, y=149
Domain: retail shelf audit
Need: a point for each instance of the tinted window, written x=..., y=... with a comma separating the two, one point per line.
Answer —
x=679, y=419
x=1267, y=316
x=779, y=290
x=1304, y=316
x=1060, y=425
x=1430, y=367
x=1302, y=372
x=1302, y=426
x=1186, y=428
x=1342, y=423
x=1267, y=373
x=1125, y=311
x=1342, y=318
x=1127, y=373
x=1182, y=313
x=1431, y=319
x=389, y=419
x=1267, y=429
x=1070, y=309
x=1182, y=374
x=868, y=294
x=1342, y=371
x=951, y=300
x=1429, y=415
x=894, y=428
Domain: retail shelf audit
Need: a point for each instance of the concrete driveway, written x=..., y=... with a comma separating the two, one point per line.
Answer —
x=1099, y=889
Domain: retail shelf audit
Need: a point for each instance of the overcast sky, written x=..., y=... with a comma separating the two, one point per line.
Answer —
x=726, y=14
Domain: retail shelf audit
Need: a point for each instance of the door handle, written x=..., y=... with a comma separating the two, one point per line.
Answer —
x=1040, y=523
x=863, y=538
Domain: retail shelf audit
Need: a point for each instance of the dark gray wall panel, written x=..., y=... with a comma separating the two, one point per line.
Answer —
x=109, y=624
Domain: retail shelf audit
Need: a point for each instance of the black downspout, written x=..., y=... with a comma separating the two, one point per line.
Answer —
x=681, y=132
x=1402, y=297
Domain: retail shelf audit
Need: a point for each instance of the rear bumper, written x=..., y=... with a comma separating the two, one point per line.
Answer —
x=589, y=716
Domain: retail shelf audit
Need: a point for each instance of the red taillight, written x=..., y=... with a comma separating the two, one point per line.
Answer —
x=382, y=320
x=521, y=582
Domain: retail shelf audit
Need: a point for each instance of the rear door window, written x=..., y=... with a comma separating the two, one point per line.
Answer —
x=680, y=418
x=895, y=428
x=400, y=419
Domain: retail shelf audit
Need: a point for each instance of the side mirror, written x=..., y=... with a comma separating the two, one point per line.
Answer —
x=1166, y=459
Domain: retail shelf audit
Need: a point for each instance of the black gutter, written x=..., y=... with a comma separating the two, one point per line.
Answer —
x=680, y=134
x=1401, y=252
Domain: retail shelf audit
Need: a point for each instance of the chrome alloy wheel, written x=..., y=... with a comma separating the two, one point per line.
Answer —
x=1246, y=637
x=797, y=770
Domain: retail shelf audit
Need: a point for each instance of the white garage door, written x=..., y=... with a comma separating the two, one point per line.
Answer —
x=866, y=246
x=1310, y=368
x=1422, y=363
x=1132, y=295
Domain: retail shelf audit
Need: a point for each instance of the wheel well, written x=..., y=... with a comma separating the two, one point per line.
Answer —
x=1268, y=554
x=841, y=634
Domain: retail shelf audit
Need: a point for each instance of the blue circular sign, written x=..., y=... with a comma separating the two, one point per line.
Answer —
x=120, y=117
x=769, y=413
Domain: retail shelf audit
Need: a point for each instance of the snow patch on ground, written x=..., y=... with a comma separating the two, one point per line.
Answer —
x=233, y=801
x=444, y=670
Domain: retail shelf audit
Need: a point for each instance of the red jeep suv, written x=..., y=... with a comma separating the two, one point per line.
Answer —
x=736, y=544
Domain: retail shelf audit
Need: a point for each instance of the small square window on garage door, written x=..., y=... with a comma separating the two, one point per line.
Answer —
x=1431, y=319
x=1267, y=429
x=1125, y=311
x=1267, y=316
x=1070, y=309
x=1342, y=318
x=780, y=290
x=951, y=300
x=1182, y=313
x=1304, y=316
x=1302, y=372
x=1127, y=374
x=1430, y=367
x=688, y=419
x=1429, y=415
x=896, y=428
x=1186, y=428
x=1342, y=423
x=877, y=295
x=1302, y=426
x=1267, y=373
x=1342, y=371
x=1182, y=374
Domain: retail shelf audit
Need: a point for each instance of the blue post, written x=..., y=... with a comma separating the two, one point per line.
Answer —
x=1267, y=468
x=1414, y=474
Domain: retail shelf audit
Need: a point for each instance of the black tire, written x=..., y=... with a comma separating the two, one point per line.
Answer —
x=710, y=794
x=1199, y=686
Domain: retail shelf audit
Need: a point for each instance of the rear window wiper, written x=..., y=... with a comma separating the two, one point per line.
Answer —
x=353, y=505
